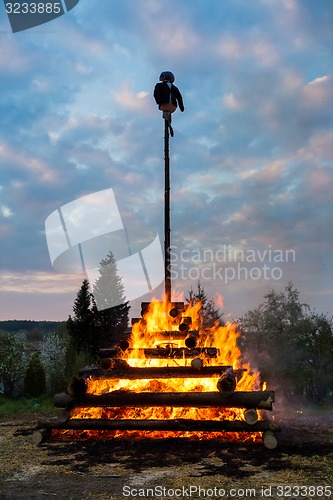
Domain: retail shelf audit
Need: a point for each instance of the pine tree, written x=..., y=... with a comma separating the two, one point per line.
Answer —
x=112, y=314
x=209, y=312
x=101, y=318
x=82, y=327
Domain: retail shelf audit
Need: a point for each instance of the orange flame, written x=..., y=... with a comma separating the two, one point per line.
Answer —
x=160, y=327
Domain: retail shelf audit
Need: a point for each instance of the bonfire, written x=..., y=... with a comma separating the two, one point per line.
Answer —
x=170, y=377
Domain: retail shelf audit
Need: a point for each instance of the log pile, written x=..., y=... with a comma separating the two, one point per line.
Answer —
x=198, y=365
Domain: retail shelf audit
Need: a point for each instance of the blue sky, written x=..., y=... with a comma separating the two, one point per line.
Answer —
x=251, y=160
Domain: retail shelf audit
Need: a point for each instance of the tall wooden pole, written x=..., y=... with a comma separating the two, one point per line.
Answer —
x=167, y=230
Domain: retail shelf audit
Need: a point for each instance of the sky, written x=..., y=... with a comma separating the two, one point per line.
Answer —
x=251, y=159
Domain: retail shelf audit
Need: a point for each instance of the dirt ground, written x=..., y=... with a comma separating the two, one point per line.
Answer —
x=300, y=467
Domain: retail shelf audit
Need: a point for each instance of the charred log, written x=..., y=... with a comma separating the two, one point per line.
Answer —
x=185, y=324
x=169, y=425
x=112, y=371
x=77, y=386
x=260, y=399
x=163, y=352
x=227, y=382
x=114, y=364
x=124, y=344
x=179, y=306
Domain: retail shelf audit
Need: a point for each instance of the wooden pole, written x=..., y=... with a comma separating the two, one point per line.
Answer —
x=167, y=229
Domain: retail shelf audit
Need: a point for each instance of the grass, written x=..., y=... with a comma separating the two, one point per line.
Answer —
x=23, y=406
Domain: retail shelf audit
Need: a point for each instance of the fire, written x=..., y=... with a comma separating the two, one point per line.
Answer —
x=173, y=328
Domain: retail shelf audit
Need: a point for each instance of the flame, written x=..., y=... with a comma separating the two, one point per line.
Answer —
x=219, y=300
x=160, y=328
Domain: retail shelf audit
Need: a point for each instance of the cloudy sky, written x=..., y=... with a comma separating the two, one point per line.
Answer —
x=251, y=160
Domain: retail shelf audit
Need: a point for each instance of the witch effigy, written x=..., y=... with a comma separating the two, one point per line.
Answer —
x=168, y=97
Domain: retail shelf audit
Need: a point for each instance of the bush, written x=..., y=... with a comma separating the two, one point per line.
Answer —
x=35, y=378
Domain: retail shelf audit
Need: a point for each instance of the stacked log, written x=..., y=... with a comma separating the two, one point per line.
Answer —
x=257, y=399
x=114, y=367
x=113, y=370
x=168, y=352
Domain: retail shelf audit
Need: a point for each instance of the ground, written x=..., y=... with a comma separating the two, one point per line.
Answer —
x=300, y=467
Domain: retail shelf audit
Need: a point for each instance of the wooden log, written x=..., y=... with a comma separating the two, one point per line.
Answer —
x=174, y=334
x=174, y=312
x=269, y=439
x=180, y=306
x=227, y=382
x=168, y=425
x=124, y=344
x=163, y=352
x=191, y=341
x=259, y=399
x=77, y=386
x=185, y=324
x=197, y=364
x=132, y=373
x=251, y=416
x=41, y=435
x=113, y=364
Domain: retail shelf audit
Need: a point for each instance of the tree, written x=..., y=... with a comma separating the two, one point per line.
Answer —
x=13, y=362
x=208, y=311
x=112, y=314
x=94, y=327
x=53, y=354
x=82, y=326
x=315, y=344
x=35, y=379
x=291, y=346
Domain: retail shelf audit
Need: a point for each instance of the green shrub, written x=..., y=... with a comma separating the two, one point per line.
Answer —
x=35, y=378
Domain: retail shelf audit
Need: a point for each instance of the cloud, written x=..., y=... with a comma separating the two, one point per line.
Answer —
x=39, y=282
x=251, y=156
x=139, y=102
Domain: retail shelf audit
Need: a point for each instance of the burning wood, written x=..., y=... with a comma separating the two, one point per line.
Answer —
x=177, y=425
x=227, y=382
x=258, y=399
x=192, y=381
x=110, y=370
x=167, y=352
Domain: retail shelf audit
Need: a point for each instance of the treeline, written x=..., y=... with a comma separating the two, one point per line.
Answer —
x=289, y=344
x=25, y=325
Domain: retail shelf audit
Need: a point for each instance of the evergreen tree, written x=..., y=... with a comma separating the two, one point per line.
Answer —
x=112, y=314
x=35, y=379
x=82, y=327
x=208, y=311
x=101, y=318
